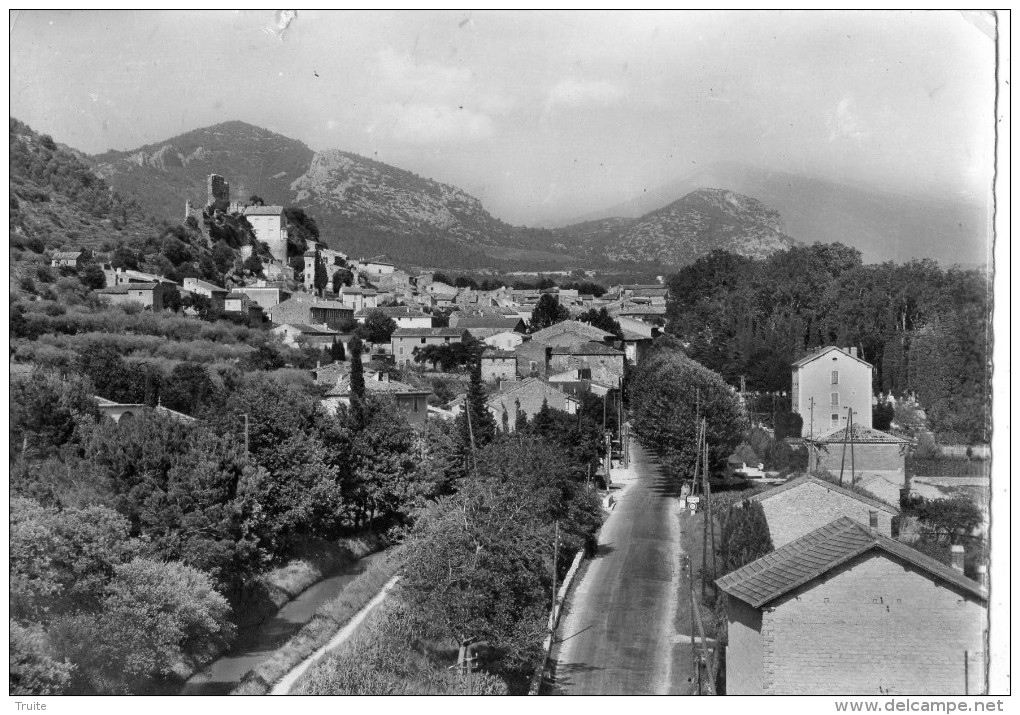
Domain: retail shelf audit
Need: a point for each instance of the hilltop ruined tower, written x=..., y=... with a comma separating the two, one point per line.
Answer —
x=218, y=192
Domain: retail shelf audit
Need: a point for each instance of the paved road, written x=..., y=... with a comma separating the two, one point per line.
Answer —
x=617, y=636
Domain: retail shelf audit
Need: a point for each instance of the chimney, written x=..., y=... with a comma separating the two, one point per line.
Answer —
x=853, y=352
x=548, y=358
x=982, y=575
x=957, y=558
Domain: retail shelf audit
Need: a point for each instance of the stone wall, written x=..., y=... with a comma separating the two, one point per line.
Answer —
x=877, y=626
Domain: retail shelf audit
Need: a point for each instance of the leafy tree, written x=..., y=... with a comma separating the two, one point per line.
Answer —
x=154, y=616
x=263, y=357
x=208, y=269
x=744, y=536
x=253, y=264
x=123, y=257
x=882, y=416
x=357, y=369
x=321, y=279
x=336, y=351
x=188, y=389
x=46, y=411
x=222, y=257
x=378, y=327
x=668, y=393
x=61, y=561
x=479, y=429
x=33, y=670
x=342, y=277
x=255, y=200
x=92, y=276
x=602, y=320
x=948, y=520
x=175, y=250
x=548, y=312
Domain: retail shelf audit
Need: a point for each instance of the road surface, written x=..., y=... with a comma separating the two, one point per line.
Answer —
x=617, y=636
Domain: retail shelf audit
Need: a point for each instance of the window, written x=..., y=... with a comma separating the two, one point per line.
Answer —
x=835, y=377
x=401, y=350
x=835, y=418
x=834, y=399
x=423, y=341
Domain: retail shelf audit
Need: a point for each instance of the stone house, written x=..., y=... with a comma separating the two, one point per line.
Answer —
x=264, y=295
x=404, y=341
x=570, y=332
x=270, y=226
x=827, y=385
x=73, y=259
x=298, y=334
x=507, y=340
x=148, y=295
x=528, y=396
x=598, y=357
x=309, y=309
x=359, y=298
x=846, y=610
x=236, y=302
x=330, y=374
x=862, y=453
x=377, y=266
x=404, y=316
x=498, y=365
x=214, y=293
x=412, y=402
x=486, y=326
x=807, y=503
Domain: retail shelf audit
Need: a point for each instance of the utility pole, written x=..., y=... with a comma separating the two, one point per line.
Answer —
x=556, y=553
x=694, y=651
x=811, y=428
x=705, y=512
x=850, y=429
x=846, y=435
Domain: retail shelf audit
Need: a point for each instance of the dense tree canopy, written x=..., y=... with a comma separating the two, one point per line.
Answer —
x=925, y=329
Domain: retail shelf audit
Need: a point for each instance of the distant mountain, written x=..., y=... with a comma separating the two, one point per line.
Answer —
x=679, y=233
x=884, y=226
x=361, y=206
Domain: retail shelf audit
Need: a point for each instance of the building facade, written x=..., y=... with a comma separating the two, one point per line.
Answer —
x=828, y=384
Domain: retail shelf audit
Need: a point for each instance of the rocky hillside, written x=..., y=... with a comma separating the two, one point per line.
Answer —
x=675, y=235
x=884, y=226
x=56, y=201
x=363, y=207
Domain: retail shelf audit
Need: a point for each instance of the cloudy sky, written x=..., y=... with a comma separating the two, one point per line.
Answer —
x=542, y=115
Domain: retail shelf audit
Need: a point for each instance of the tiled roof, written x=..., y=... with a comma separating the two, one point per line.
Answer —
x=375, y=387
x=309, y=329
x=768, y=493
x=570, y=326
x=588, y=348
x=66, y=255
x=125, y=287
x=821, y=551
x=496, y=353
x=645, y=310
x=485, y=321
x=631, y=336
x=205, y=285
x=393, y=311
x=860, y=435
x=329, y=305
x=263, y=210
x=825, y=351
x=428, y=333
x=235, y=295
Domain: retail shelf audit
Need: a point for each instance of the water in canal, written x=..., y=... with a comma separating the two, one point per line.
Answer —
x=256, y=643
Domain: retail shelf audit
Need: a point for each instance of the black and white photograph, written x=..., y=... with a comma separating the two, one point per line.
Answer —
x=509, y=352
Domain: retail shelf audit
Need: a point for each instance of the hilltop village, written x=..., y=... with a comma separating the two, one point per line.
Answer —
x=222, y=413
